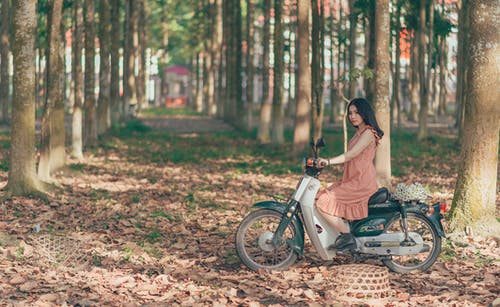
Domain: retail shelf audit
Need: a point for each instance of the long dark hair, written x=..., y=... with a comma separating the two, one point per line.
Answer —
x=367, y=114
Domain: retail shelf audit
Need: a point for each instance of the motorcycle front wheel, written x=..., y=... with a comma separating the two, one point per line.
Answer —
x=254, y=242
x=431, y=240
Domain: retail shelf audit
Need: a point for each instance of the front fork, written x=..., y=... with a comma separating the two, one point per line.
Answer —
x=404, y=224
x=286, y=219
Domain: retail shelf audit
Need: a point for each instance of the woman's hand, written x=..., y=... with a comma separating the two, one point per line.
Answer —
x=323, y=162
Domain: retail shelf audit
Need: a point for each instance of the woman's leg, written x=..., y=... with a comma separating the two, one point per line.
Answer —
x=336, y=222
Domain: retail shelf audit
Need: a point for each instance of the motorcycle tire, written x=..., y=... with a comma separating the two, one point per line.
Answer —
x=253, y=242
x=423, y=260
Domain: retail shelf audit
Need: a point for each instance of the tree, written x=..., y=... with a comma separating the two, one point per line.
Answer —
x=130, y=52
x=263, y=135
x=52, y=143
x=381, y=96
x=114, y=87
x=475, y=191
x=302, y=113
x=90, y=122
x=77, y=118
x=317, y=69
x=278, y=125
x=353, y=20
x=422, y=76
x=4, y=58
x=22, y=176
x=103, y=102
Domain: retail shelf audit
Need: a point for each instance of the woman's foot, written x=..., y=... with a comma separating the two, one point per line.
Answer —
x=343, y=241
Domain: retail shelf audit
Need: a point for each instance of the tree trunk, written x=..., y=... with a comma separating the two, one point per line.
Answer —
x=414, y=80
x=424, y=89
x=22, y=174
x=395, y=102
x=77, y=119
x=302, y=126
x=475, y=191
x=263, y=134
x=103, y=105
x=4, y=57
x=370, y=82
x=353, y=21
x=317, y=71
x=90, y=122
x=141, y=55
x=462, y=67
x=130, y=51
x=443, y=93
x=278, y=122
x=52, y=135
x=249, y=64
x=381, y=96
x=114, y=86
x=333, y=90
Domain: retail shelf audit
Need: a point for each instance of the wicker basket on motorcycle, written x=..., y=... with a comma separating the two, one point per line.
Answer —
x=362, y=282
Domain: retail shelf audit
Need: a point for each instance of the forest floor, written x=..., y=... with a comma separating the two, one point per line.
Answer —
x=149, y=220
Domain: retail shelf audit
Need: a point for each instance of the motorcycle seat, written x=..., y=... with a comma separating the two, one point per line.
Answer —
x=378, y=197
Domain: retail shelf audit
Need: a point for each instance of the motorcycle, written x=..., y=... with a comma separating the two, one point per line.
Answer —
x=404, y=235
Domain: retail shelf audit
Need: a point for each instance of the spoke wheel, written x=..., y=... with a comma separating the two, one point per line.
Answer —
x=254, y=241
x=431, y=240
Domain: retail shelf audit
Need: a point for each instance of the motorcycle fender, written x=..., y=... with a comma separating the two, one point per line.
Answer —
x=297, y=243
x=434, y=218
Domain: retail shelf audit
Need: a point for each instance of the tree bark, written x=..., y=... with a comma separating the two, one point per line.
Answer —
x=77, y=118
x=278, y=124
x=302, y=125
x=90, y=118
x=114, y=86
x=4, y=57
x=381, y=96
x=353, y=21
x=249, y=64
x=103, y=104
x=317, y=69
x=475, y=191
x=263, y=134
x=22, y=174
x=52, y=135
x=424, y=89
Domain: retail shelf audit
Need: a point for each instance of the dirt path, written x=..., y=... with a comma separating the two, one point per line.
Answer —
x=187, y=124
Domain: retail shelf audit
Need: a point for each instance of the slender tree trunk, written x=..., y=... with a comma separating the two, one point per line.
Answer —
x=219, y=68
x=302, y=126
x=4, y=57
x=462, y=67
x=52, y=145
x=263, y=134
x=114, y=86
x=141, y=55
x=278, y=124
x=77, y=118
x=103, y=105
x=22, y=174
x=443, y=93
x=90, y=118
x=476, y=188
x=381, y=97
x=396, y=103
x=130, y=52
x=430, y=55
x=249, y=63
x=414, y=79
x=238, y=58
x=370, y=82
x=424, y=90
x=317, y=71
x=333, y=91
x=353, y=21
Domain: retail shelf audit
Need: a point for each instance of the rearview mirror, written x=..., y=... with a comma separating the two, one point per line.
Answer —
x=320, y=143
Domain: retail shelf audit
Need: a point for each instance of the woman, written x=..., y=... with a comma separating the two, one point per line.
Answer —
x=348, y=199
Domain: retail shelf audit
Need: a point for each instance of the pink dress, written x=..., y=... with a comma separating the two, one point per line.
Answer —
x=349, y=197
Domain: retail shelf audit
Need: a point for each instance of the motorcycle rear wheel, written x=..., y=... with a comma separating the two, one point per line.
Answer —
x=253, y=242
x=423, y=260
